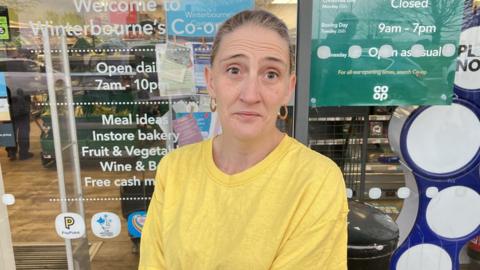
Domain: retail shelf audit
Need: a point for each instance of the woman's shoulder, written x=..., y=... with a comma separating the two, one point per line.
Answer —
x=314, y=171
x=308, y=157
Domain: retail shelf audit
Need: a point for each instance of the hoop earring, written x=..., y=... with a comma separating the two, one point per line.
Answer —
x=285, y=115
x=213, y=104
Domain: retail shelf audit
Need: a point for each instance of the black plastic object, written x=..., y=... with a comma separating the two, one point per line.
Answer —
x=372, y=238
x=133, y=198
x=388, y=159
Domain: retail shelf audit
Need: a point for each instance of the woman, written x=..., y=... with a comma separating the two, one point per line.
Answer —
x=251, y=198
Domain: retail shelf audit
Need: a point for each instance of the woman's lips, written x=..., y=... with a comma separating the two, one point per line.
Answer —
x=247, y=115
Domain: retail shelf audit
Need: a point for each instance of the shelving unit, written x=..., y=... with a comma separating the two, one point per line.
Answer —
x=356, y=139
x=351, y=141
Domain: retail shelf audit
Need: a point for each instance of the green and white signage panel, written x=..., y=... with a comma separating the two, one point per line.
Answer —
x=383, y=52
x=4, y=33
x=4, y=28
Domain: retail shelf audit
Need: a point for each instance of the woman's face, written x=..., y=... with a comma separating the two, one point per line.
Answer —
x=250, y=80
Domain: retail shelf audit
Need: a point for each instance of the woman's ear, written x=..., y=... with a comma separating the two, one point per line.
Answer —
x=209, y=81
x=291, y=87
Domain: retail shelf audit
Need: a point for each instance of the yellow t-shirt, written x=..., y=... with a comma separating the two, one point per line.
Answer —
x=289, y=211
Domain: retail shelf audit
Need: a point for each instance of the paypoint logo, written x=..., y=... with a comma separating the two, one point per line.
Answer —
x=69, y=221
x=70, y=225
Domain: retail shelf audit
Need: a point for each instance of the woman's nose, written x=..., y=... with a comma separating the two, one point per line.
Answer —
x=250, y=90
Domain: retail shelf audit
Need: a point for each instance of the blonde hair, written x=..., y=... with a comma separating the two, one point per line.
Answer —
x=256, y=17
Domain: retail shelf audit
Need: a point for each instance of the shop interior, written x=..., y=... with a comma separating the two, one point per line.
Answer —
x=356, y=138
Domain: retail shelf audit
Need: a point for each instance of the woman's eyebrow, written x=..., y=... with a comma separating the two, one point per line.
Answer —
x=266, y=59
x=274, y=59
x=239, y=55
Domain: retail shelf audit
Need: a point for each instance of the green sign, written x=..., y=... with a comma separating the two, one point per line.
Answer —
x=4, y=28
x=383, y=52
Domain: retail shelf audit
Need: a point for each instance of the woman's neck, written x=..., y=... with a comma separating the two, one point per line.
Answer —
x=232, y=155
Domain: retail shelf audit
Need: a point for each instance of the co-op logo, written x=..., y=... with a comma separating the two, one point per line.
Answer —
x=467, y=67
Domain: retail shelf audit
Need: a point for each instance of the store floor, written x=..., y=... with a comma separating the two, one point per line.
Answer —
x=33, y=214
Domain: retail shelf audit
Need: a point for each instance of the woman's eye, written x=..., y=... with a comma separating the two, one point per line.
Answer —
x=272, y=75
x=233, y=70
